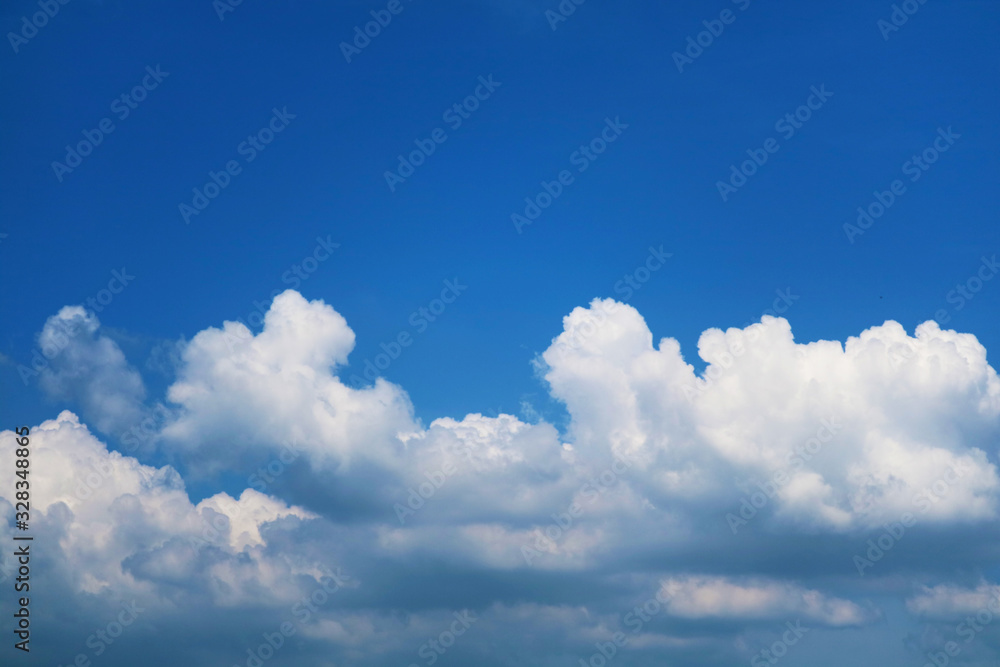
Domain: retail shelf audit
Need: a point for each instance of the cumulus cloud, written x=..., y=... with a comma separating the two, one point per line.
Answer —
x=899, y=412
x=127, y=527
x=90, y=369
x=534, y=531
x=249, y=391
x=241, y=395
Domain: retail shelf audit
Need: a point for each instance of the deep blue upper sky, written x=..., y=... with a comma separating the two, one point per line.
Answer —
x=655, y=185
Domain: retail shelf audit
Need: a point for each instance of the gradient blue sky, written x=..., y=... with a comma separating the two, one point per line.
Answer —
x=656, y=185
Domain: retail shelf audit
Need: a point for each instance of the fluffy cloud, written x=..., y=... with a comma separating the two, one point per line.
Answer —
x=857, y=432
x=241, y=395
x=240, y=392
x=91, y=370
x=545, y=536
x=111, y=512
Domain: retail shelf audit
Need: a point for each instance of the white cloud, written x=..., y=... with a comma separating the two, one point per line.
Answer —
x=240, y=392
x=717, y=597
x=125, y=528
x=90, y=369
x=860, y=430
x=908, y=408
x=946, y=601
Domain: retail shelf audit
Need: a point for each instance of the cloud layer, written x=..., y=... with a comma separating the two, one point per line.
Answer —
x=730, y=502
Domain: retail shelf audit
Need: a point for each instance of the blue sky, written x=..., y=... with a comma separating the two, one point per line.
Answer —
x=320, y=187
x=324, y=176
